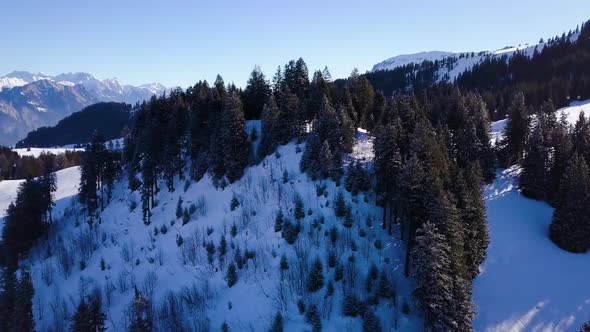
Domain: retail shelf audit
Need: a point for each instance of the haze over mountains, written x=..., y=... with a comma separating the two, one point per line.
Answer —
x=29, y=101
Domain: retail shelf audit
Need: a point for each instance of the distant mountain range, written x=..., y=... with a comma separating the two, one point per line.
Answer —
x=29, y=101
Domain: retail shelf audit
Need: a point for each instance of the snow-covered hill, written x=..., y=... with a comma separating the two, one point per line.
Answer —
x=455, y=62
x=527, y=283
x=180, y=278
x=571, y=113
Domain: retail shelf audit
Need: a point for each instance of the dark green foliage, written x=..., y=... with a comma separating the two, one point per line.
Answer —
x=315, y=280
x=357, y=179
x=28, y=216
x=234, y=230
x=371, y=322
x=222, y=246
x=350, y=305
x=333, y=234
x=330, y=289
x=348, y=219
x=585, y=327
x=256, y=94
x=186, y=217
x=234, y=203
x=570, y=225
x=285, y=176
x=340, y=205
x=277, y=323
x=291, y=231
x=22, y=317
x=312, y=317
x=224, y=327
x=78, y=128
x=89, y=316
x=332, y=259
x=299, y=208
x=140, y=314
x=279, y=221
x=179, y=240
x=231, y=276
x=301, y=306
x=7, y=298
x=284, y=264
x=516, y=131
x=179, y=208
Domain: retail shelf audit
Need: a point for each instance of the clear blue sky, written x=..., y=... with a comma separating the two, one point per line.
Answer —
x=177, y=42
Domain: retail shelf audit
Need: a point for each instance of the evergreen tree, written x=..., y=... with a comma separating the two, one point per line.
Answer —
x=312, y=316
x=256, y=94
x=289, y=124
x=339, y=205
x=268, y=141
x=277, y=323
x=140, y=314
x=23, y=319
x=309, y=160
x=234, y=138
x=232, y=275
x=432, y=270
x=299, y=208
x=89, y=317
x=279, y=221
x=533, y=180
x=371, y=322
x=315, y=280
x=570, y=225
x=7, y=298
x=516, y=131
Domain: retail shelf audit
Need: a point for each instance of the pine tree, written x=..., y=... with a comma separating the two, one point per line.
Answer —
x=533, y=180
x=350, y=305
x=232, y=275
x=279, y=221
x=312, y=316
x=339, y=205
x=371, y=322
x=140, y=314
x=7, y=298
x=268, y=141
x=89, y=317
x=315, y=280
x=256, y=94
x=325, y=160
x=299, y=208
x=277, y=323
x=179, y=208
x=432, y=270
x=309, y=160
x=516, y=131
x=23, y=319
x=570, y=225
x=234, y=138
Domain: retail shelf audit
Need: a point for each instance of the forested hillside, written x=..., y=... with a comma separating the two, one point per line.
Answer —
x=300, y=203
x=78, y=128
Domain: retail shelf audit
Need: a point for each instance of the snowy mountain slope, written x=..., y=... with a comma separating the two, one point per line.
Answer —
x=571, y=112
x=67, y=188
x=416, y=58
x=456, y=62
x=102, y=90
x=135, y=255
x=527, y=283
x=40, y=103
x=36, y=152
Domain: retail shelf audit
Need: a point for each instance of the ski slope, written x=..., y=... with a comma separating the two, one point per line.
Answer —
x=36, y=152
x=527, y=283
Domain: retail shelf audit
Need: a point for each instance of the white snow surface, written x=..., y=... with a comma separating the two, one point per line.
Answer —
x=527, y=283
x=571, y=113
x=416, y=58
x=67, y=188
x=135, y=256
x=36, y=152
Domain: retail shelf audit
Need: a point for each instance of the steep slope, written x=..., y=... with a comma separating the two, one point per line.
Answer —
x=187, y=289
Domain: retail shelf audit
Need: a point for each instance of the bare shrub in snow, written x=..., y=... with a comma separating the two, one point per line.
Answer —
x=47, y=272
x=149, y=282
x=65, y=260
